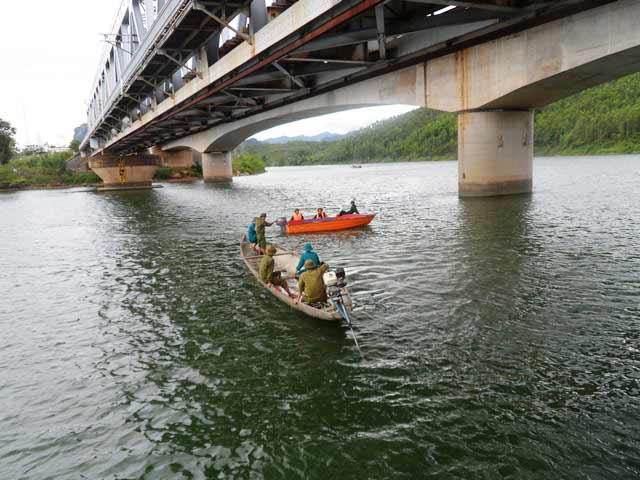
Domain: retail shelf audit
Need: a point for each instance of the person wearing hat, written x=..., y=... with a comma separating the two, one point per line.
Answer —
x=268, y=276
x=353, y=209
x=261, y=223
x=311, y=283
x=308, y=254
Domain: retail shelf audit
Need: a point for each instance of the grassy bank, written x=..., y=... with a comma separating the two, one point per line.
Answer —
x=46, y=170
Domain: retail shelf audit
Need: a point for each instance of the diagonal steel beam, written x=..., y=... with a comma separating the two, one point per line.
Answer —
x=199, y=6
x=293, y=78
x=178, y=62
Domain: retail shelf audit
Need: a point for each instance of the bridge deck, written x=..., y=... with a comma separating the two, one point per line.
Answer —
x=189, y=72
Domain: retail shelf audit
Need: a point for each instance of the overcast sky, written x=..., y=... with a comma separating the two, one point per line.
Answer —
x=49, y=55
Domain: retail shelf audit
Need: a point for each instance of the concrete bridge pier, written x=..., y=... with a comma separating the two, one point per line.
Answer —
x=216, y=167
x=125, y=172
x=495, y=153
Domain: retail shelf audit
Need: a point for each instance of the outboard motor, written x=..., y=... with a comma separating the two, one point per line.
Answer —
x=282, y=223
x=334, y=282
x=341, y=277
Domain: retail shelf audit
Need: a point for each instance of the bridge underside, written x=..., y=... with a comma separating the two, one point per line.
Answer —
x=322, y=57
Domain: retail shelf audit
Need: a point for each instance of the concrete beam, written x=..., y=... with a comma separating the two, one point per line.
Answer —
x=540, y=65
x=401, y=87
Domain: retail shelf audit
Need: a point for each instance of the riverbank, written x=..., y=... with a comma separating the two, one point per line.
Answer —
x=45, y=171
x=49, y=172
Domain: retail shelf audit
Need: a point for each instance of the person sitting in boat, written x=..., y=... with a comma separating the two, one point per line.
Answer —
x=320, y=214
x=261, y=223
x=311, y=283
x=297, y=216
x=252, y=237
x=308, y=254
x=268, y=276
x=353, y=209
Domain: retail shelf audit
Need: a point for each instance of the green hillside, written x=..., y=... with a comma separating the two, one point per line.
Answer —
x=604, y=119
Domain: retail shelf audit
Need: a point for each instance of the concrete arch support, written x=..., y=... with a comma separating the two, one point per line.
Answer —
x=216, y=167
x=495, y=153
x=125, y=172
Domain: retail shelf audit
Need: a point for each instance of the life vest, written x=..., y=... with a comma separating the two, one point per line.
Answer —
x=321, y=214
x=297, y=217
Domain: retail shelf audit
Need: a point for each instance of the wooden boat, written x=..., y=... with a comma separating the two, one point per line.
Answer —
x=286, y=261
x=329, y=224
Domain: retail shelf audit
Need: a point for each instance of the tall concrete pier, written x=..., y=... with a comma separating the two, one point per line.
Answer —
x=216, y=167
x=495, y=153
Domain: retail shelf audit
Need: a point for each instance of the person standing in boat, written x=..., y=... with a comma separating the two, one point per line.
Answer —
x=261, y=224
x=353, y=209
x=297, y=216
x=320, y=213
x=311, y=283
x=268, y=276
x=252, y=237
x=308, y=254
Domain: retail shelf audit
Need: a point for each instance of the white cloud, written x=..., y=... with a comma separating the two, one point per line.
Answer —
x=50, y=52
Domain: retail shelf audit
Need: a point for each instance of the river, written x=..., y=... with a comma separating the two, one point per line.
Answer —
x=501, y=337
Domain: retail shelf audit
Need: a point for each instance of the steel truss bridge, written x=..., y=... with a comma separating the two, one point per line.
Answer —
x=174, y=68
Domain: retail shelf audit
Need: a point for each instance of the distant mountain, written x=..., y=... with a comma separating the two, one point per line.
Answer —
x=321, y=137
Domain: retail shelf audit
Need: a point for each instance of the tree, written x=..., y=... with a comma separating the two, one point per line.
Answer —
x=75, y=145
x=7, y=143
x=32, y=150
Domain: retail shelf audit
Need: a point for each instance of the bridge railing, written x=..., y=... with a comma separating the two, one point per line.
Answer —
x=168, y=11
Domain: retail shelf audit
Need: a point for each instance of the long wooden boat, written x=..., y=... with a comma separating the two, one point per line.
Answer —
x=342, y=222
x=287, y=261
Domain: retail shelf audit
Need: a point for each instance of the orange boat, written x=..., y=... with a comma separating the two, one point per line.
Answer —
x=342, y=222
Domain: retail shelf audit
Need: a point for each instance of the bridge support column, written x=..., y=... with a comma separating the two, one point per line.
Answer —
x=125, y=172
x=495, y=153
x=216, y=167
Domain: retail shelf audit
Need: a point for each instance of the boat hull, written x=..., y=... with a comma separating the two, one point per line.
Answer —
x=343, y=222
x=286, y=261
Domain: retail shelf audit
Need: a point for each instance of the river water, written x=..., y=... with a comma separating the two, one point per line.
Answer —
x=501, y=337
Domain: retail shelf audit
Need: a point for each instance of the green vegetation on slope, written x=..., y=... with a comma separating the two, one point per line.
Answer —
x=248, y=164
x=43, y=170
x=604, y=119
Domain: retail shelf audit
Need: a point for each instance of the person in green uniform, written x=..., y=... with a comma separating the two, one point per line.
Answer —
x=261, y=223
x=268, y=276
x=311, y=283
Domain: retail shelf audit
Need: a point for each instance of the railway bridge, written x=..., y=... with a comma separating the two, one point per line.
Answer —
x=201, y=76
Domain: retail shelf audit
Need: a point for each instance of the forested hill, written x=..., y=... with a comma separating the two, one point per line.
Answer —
x=604, y=119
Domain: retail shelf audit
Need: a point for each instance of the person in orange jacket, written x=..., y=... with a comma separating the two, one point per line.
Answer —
x=297, y=216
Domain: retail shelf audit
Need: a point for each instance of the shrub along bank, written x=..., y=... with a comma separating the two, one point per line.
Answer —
x=44, y=170
x=248, y=164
